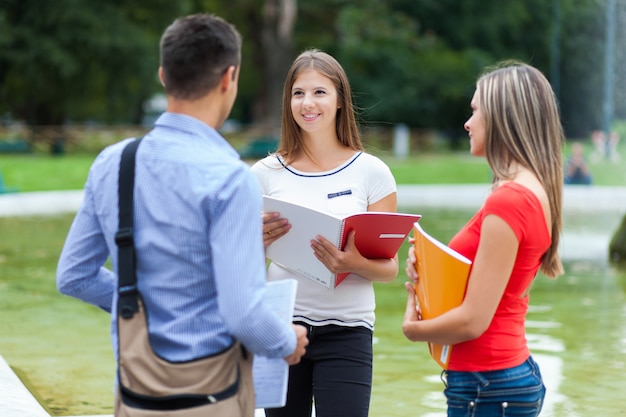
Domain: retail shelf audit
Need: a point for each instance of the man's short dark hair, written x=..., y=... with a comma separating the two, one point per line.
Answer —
x=196, y=50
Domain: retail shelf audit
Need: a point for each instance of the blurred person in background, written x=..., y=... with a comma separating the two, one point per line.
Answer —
x=576, y=169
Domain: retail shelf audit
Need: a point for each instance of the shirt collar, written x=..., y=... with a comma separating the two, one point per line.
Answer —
x=193, y=127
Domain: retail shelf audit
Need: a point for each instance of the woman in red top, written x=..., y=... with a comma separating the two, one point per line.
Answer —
x=515, y=124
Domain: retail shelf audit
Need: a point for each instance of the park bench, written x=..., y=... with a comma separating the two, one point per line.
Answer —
x=14, y=146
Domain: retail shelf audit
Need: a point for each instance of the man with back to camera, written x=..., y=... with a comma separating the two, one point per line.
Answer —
x=200, y=267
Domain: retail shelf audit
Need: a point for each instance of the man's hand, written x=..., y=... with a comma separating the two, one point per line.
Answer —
x=302, y=341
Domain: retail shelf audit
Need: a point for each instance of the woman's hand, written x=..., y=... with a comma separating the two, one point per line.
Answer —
x=350, y=260
x=335, y=260
x=412, y=314
x=274, y=227
x=411, y=262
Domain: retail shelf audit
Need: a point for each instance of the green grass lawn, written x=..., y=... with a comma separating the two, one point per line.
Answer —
x=44, y=172
x=59, y=346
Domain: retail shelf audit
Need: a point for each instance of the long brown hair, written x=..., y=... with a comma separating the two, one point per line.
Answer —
x=347, y=130
x=523, y=125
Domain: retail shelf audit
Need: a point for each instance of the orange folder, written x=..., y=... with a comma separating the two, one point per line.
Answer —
x=441, y=284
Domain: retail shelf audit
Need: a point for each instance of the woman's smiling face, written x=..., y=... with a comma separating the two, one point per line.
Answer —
x=314, y=102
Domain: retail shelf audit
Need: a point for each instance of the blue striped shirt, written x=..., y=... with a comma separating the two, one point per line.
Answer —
x=200, y=256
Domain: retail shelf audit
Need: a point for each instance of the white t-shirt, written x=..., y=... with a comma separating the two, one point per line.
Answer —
x=350, y=188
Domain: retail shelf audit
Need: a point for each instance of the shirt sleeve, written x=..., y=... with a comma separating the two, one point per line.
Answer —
x=80, y=271
x=240, y=271
x=381, y=180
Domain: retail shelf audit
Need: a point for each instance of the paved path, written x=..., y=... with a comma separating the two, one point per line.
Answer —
x=16, y=401
x=575, y=198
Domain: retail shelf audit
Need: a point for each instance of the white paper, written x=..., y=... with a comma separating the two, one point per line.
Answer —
x=293, y=250
x=271, y=375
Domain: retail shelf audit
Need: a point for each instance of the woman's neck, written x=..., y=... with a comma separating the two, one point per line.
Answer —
x=514, y=172
x=320, y=159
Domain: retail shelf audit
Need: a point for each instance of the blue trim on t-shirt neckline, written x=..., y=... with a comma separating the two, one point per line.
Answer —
x=341, y=168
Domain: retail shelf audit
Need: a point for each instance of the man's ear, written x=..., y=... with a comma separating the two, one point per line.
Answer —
x=228, y=77
x=161, y=76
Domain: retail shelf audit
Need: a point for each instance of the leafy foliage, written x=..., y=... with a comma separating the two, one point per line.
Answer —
x=410, y=61
x=77, y=59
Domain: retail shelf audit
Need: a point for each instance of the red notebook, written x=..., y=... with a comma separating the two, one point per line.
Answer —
x=379, y=235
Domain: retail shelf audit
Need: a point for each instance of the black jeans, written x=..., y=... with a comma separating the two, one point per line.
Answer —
x=336, y=372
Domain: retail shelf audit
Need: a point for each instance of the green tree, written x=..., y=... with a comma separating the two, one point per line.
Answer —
x=502, y=29
x=582, y=73
x=400, y=74
x=267, y=28
x=79, y=60
x=410, y=61
x=523, y=30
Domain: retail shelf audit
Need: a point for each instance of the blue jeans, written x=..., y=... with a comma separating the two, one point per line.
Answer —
x=517, y=391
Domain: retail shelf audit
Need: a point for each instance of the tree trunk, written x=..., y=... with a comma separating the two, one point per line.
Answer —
x=617, y=247
x=279, y=17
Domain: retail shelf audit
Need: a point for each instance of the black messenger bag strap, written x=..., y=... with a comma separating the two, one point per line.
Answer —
x=127, y=281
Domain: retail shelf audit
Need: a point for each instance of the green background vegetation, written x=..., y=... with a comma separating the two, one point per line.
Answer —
x=68, y=62
x=39, y=171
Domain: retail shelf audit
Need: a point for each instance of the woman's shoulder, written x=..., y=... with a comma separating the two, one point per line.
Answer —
x=270, y=162
x=370, y=156
x=515, y=196
x=372, y=164
x=509, y=190
x=370, y=159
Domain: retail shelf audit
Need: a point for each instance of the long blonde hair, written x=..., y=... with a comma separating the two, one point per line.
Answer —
x=346, y=126
x=523, y=125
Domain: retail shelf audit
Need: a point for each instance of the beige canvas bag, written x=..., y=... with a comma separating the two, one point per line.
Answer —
x=150, y=386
